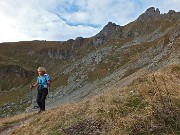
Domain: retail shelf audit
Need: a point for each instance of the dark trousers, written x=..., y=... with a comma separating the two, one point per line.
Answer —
x=41, y=97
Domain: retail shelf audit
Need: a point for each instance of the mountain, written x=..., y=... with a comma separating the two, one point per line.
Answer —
x=85, y=67
x=149, y=105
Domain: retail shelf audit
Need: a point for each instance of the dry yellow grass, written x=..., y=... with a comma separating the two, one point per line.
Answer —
x=131, y=110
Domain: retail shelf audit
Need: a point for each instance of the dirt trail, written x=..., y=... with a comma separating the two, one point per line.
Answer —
x=20, y=123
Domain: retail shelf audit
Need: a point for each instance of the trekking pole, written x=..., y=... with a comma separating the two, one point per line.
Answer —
x=48, y=91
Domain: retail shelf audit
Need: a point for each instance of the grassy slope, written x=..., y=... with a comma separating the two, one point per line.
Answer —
x=150, y=105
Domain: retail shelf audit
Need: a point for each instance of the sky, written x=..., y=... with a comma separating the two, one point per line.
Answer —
x=60, y=20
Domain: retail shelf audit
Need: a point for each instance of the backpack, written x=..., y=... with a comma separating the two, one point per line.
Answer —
x=47, y=78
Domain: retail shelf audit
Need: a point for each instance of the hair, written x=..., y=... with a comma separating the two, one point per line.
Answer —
x=42, y=69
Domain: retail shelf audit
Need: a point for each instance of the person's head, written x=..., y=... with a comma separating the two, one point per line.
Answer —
x=41, y=70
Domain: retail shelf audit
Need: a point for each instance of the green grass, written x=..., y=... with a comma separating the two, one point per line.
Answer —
x=136, y=101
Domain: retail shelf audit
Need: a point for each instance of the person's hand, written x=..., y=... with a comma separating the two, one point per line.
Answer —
x=31, y=86
x=49, y=83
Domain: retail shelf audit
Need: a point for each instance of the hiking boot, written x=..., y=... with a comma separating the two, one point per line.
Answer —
x=40, y=111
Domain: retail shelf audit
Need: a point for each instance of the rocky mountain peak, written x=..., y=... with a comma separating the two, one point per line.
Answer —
x=173, y=14
x=152, y=11
x=111, y=30
x=110, y=26
x=150, y=14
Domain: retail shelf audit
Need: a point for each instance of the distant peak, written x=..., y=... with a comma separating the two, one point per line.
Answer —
x=152, y=10
x=172, y=11
x=149, y=14
x=111, y=24
x=108, y=27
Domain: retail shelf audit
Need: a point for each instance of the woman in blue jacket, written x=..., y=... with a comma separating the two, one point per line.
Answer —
x=43, y=82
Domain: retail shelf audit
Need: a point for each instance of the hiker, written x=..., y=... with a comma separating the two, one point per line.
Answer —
x=43, y=82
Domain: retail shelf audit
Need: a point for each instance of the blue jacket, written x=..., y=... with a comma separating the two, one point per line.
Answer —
x=43, y=81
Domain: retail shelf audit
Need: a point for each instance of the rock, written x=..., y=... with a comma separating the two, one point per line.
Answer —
x=151, y=14
x=16, y=70
x=111, y=30
x=57, y=53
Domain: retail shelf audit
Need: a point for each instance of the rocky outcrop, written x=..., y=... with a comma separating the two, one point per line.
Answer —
x=67, y=51
x=15, y=70
x=54, y=53
x=77, y=43
x=110, y=31
x=13, y=76
x=172, y=14
x=151, y=14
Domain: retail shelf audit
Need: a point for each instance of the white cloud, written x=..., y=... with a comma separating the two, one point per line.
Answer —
x=62, y=19
x=100, y=12
x=28, y=21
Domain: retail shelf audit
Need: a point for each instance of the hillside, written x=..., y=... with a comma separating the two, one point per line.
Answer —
x=149, y=105
x=85, y=67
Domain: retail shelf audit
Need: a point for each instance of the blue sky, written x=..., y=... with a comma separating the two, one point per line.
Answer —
x=67, y=19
